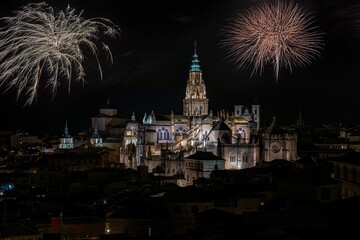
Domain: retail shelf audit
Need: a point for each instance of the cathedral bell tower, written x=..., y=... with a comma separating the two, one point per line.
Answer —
x=195, y=101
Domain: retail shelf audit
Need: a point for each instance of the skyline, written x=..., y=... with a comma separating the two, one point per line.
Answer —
x=153, y=55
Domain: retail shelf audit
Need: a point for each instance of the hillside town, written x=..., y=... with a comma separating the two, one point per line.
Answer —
x=202, y=174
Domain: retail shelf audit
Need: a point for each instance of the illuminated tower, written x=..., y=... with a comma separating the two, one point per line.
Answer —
x=66, y=142
x=96, y=139
x=195, y=101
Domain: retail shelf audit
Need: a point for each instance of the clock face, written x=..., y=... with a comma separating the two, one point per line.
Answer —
x=275, y=147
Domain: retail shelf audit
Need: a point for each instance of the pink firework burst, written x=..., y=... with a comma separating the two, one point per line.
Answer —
x=279, y=33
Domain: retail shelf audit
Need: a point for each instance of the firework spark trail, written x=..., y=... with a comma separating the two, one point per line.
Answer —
x=277, y=33
x=37, y=42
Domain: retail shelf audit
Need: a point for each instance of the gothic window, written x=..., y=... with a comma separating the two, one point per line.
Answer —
x=240, y=131
x=181, y=131
x=184, y=131
x=163, y=134
x=232, y=157
x=159, y=134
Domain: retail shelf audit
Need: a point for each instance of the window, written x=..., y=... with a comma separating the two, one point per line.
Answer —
x=241, y=132
x=163, y=134
x=232, y=157
x=159, y=135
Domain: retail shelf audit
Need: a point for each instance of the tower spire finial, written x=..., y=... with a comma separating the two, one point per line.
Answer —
x=195, y=66
x=195, y=44
x=66, y=130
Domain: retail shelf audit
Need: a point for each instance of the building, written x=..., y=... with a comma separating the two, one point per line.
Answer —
x=278, y=143
x=347, y=170
x=66, y=142
x=233, y=137
x=109, y=122
x=200, y=165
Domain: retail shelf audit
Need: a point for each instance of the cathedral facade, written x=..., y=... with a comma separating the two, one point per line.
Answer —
x=235, y=136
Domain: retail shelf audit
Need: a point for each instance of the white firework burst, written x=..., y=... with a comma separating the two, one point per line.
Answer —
x=40, y=43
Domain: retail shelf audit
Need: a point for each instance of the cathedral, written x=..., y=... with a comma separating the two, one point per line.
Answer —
x=161, y=142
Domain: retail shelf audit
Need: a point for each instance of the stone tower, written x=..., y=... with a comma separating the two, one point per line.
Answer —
x=195, y=101
x=279, y=143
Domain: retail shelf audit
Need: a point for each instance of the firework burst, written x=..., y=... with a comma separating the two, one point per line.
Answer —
x=39, y=43
x=279, y=33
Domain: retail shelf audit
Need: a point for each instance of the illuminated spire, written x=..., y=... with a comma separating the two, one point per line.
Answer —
x=133, y=116
x=96, y=133
x=195, y=67
x=300, y=122
x=195, y=44
x=66, y=130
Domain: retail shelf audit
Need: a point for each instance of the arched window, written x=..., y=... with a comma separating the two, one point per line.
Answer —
x=241, y=132
x=232, y=157
x=159, y=134
x=163, y=134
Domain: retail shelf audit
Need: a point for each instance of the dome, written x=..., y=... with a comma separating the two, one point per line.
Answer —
x=240, y=120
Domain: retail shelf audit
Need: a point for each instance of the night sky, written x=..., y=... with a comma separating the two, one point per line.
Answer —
x=152, y=58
